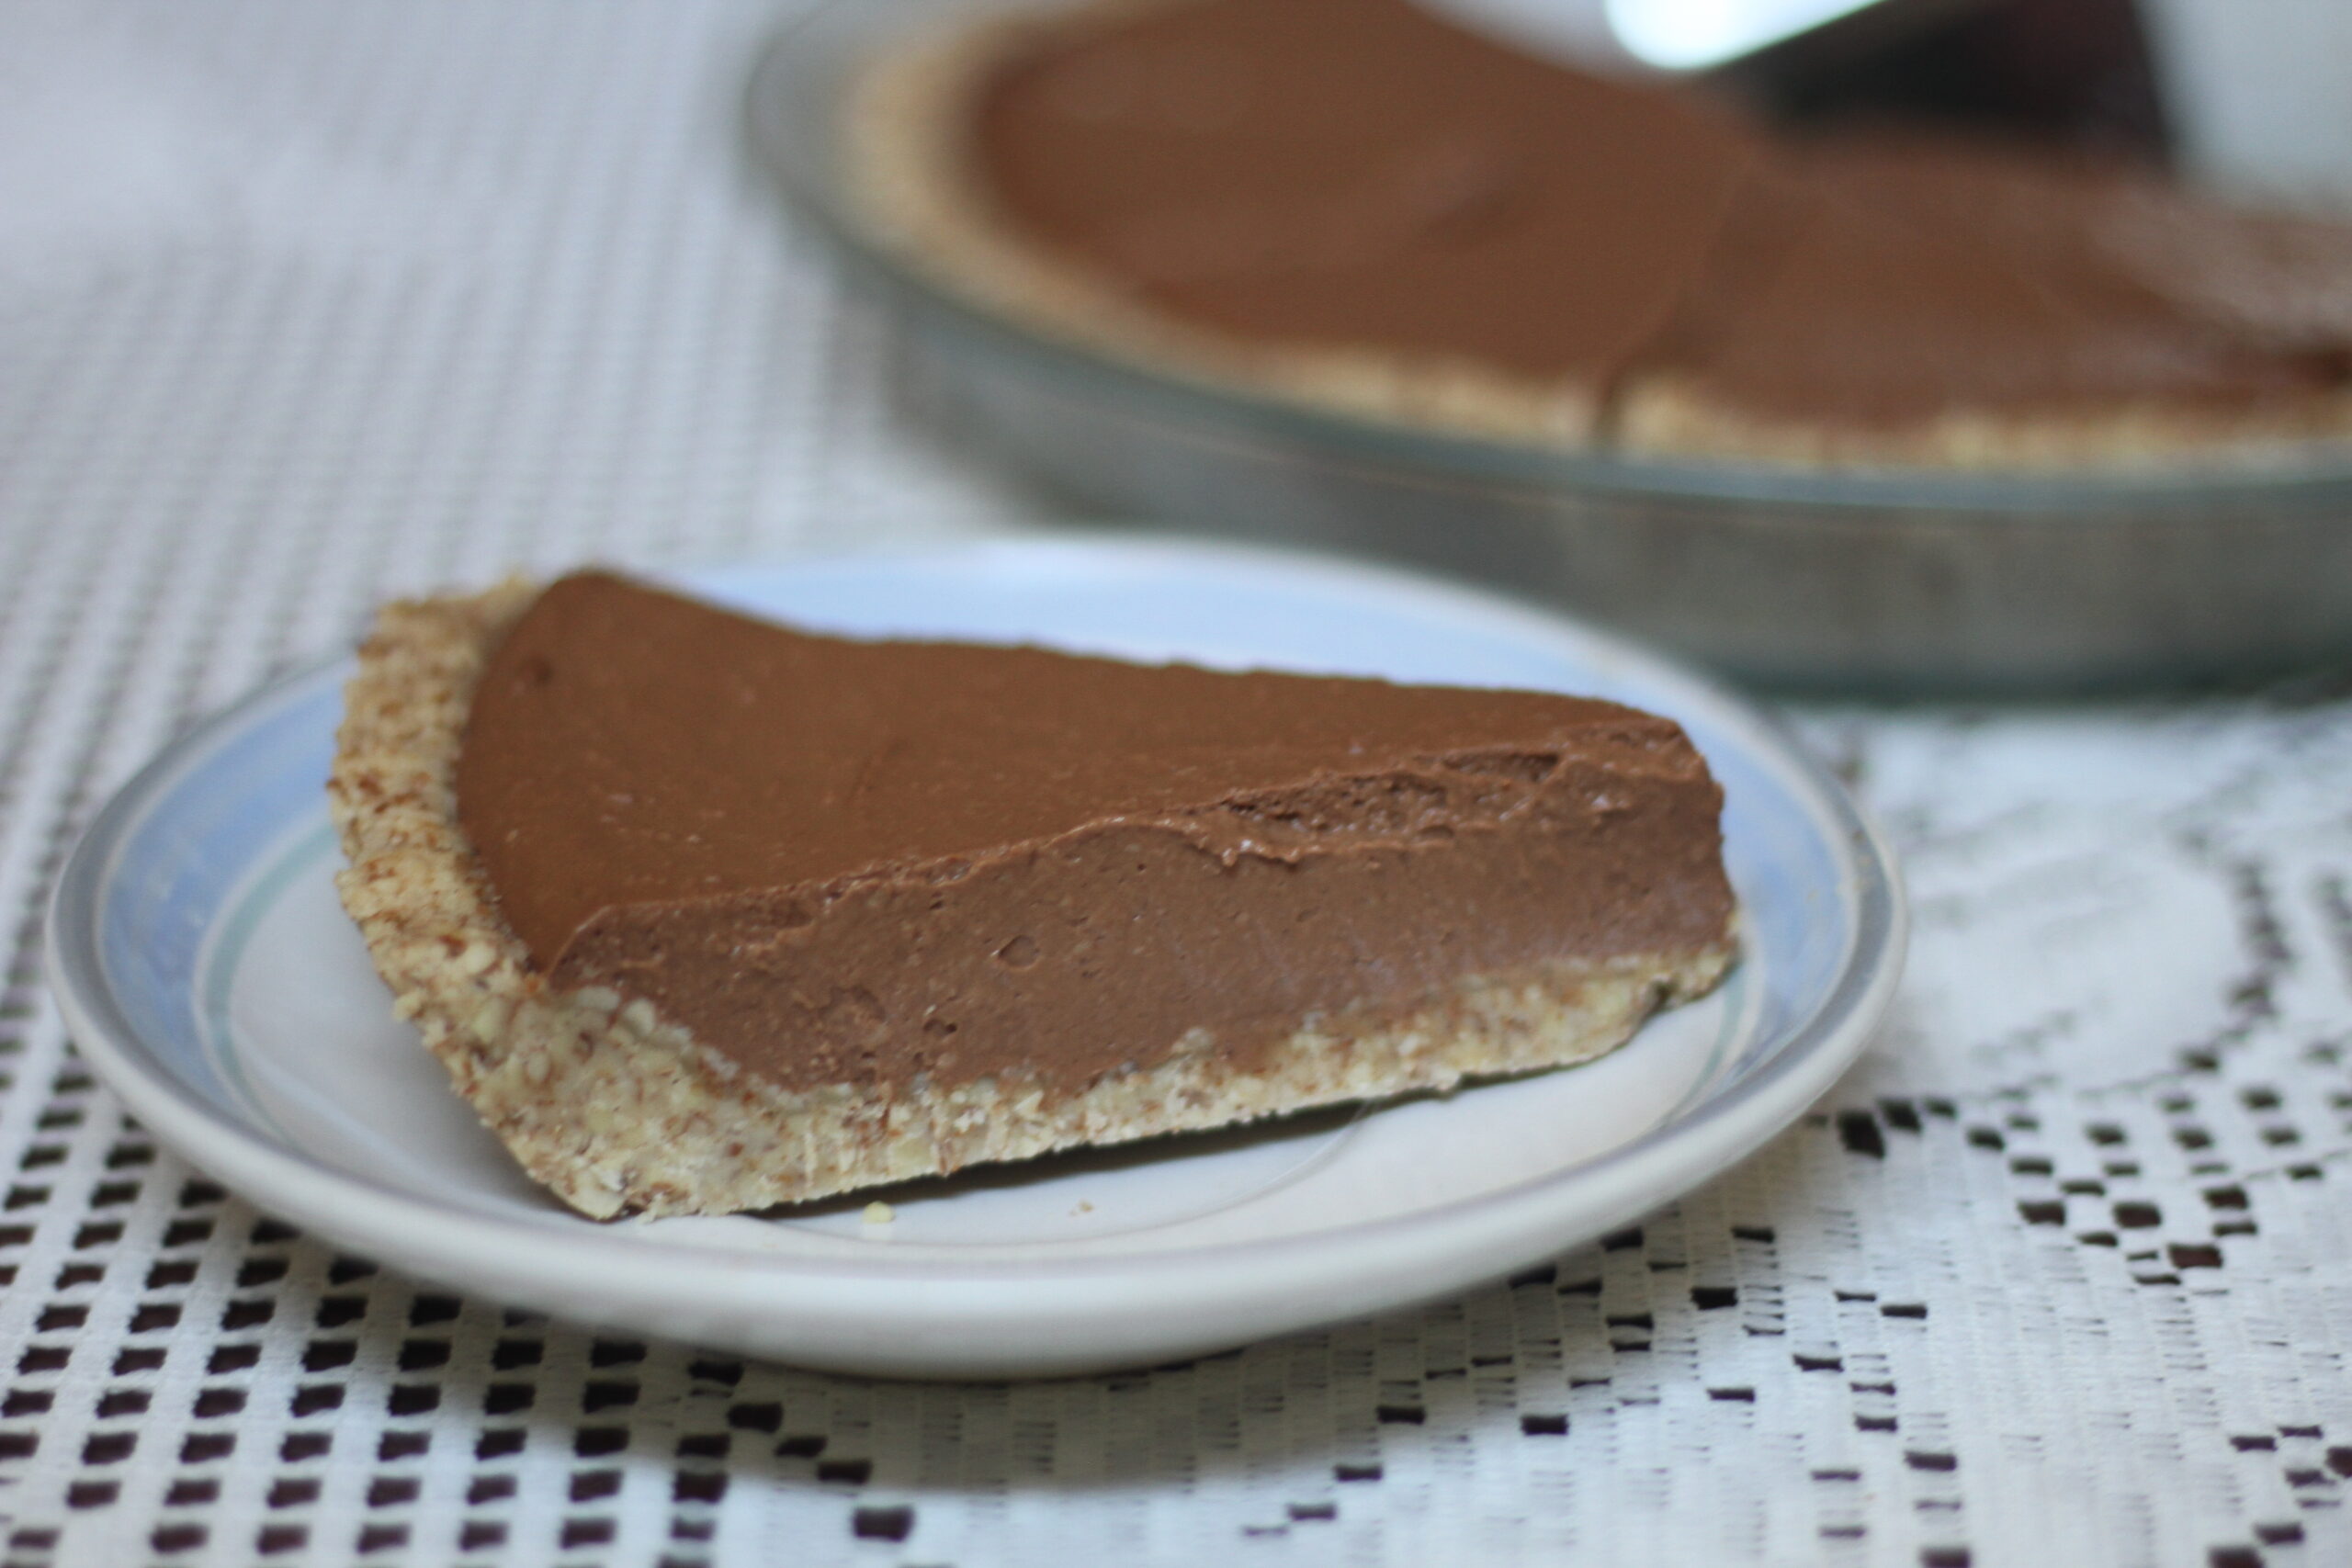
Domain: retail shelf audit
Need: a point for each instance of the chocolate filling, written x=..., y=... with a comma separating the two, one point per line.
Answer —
x=1364, y=174
x=848, y=861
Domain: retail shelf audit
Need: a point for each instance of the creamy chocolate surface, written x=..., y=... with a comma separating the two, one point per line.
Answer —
x=1365, y=173
x=839, y=860
x=1359, y=170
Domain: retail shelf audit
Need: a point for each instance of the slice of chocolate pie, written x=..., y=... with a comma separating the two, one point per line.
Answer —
x=705, y=914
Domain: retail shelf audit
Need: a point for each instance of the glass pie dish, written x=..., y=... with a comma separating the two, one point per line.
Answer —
x=1866, y=580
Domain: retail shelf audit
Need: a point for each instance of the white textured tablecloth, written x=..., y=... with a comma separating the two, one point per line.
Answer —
x=304, y=304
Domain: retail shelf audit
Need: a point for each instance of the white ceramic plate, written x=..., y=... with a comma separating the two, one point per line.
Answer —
x=207, y=970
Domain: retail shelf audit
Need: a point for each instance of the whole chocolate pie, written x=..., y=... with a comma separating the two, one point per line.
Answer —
x=704, y=914
x=1361, y=204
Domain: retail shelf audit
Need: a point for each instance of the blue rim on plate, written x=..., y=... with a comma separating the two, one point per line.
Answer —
x=145, y=929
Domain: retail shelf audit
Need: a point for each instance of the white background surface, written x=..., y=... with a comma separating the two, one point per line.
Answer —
x=2258, y=91
x=305, y=304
